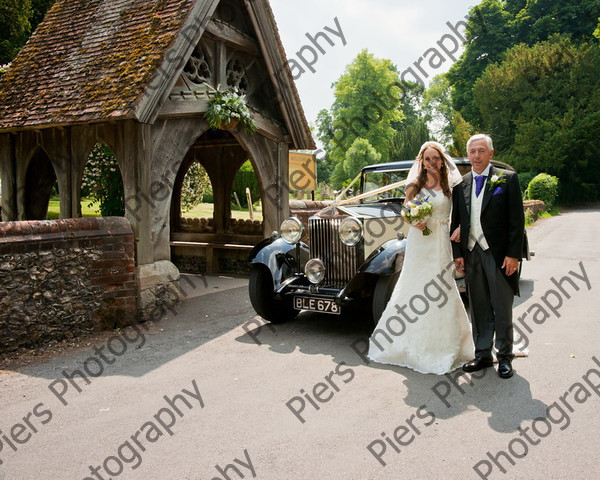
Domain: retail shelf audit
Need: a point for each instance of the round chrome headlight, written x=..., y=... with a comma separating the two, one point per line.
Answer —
x=291, y=230
x=315, y=271
x=350, y=231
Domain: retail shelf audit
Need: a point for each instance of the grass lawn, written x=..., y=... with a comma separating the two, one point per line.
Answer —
x=54, y=208
x=204, y=210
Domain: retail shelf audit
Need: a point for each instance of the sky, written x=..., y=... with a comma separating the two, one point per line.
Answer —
x=399, y=30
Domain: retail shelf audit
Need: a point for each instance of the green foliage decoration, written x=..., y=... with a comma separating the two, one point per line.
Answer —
x=543, y=187
x=226, y=108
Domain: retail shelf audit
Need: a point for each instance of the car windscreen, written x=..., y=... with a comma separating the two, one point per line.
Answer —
x=372, y=180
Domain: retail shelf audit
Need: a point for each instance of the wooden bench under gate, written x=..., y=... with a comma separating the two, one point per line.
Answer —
x=209, y=245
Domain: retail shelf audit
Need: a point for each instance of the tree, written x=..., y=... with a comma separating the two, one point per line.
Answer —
x=542, y=106
x=195, y=184
x=461, y=132
x=495, y=26
x=538, y=21
x=489, y=33
x=14, y=27
x=359, y=155
x=324, y=134
x=367, y=103
x=438, y=111
x=245, y=177
x=18, y=18
x=103, y=183
x=39, y=7
x=407, y=141
x=411, y=105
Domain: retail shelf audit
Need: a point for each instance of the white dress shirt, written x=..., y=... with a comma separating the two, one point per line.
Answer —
x=476, y=231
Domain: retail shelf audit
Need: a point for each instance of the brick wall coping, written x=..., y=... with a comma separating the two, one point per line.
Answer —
x=64, y=228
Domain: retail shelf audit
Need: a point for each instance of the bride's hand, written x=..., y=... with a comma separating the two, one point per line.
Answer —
x=421, y=225
x=455, y=237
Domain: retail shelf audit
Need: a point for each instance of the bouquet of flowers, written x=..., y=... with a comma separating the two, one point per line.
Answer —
x=418, y=210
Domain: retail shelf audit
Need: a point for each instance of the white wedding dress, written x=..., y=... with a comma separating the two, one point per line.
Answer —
x=425, y=318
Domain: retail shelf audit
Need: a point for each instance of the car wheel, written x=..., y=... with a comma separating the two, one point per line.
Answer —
x=381, y=295
x=263, y=298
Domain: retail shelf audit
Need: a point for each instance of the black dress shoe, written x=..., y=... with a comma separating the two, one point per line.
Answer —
x=505, y=369
x=477, y=364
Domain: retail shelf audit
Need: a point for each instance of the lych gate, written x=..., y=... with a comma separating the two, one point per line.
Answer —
x=137, y=76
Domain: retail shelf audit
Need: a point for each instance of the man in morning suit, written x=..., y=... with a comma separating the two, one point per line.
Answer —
x=489, y=209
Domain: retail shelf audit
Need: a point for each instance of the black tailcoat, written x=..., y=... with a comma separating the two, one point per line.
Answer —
x=502, y=218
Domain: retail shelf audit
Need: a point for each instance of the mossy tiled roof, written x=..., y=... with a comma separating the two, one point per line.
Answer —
x=89, y=60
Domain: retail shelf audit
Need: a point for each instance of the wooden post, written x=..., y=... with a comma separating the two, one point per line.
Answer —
x=249, y=198
x=237, y=200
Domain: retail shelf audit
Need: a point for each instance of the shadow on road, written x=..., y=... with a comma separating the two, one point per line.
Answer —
x=508, y=402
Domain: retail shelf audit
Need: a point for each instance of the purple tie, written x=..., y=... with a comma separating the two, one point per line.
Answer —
x=479, y=181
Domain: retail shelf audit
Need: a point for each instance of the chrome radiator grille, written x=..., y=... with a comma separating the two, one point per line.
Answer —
x=341, y=261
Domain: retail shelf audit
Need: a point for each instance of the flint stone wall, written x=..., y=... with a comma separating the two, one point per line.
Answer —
x=63, y=278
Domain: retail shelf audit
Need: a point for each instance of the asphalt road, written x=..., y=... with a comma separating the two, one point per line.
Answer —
x=211, y=393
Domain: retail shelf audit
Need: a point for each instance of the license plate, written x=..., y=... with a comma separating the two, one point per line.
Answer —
x=316, y=305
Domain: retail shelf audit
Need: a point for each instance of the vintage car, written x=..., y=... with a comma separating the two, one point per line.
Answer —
x=354, y=254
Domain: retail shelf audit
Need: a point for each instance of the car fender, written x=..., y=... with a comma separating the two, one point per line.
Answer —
x=386, y=260
x=279, y=257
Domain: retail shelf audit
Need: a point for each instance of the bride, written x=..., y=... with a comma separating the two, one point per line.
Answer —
x=424, y=325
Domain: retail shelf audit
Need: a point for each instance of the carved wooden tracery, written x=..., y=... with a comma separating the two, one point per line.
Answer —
x=197, y=69
x=236, y=76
